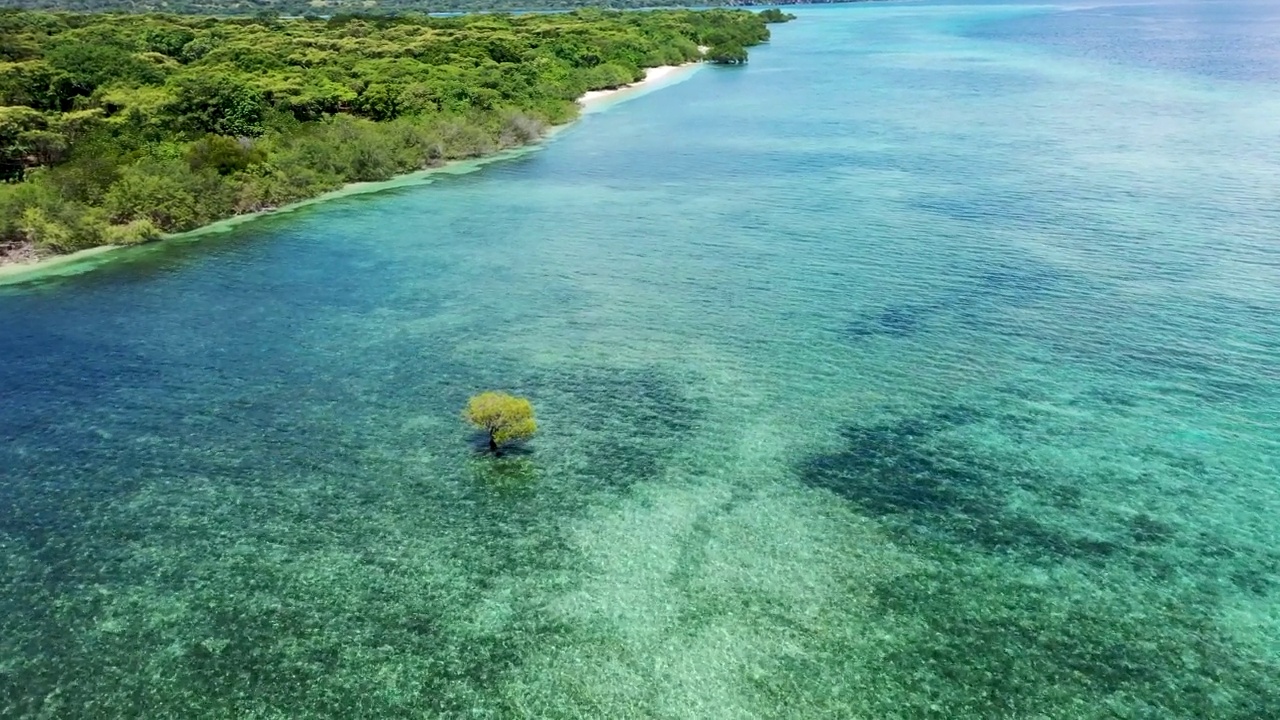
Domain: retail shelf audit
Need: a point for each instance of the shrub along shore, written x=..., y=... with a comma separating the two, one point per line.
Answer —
x=117, y=129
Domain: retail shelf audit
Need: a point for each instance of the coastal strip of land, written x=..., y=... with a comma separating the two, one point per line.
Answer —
x=189, y=124
x=28, y=268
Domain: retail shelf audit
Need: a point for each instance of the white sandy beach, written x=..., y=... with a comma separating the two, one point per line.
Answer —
x=652, y=76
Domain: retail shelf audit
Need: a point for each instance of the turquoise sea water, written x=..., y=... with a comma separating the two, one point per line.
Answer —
x=927, y=367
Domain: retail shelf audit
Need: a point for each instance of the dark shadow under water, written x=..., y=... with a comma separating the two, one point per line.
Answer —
x=1034, y=592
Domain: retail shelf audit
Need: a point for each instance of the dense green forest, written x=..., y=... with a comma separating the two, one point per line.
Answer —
x=299, y=8
x=117, y=128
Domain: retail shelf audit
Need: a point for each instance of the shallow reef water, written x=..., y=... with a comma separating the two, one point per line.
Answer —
x=925, y=367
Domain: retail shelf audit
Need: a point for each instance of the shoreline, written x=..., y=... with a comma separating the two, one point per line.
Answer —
x=590, y=102
x=654, y=79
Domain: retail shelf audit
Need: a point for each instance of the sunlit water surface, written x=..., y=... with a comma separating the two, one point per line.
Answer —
x=927, y=367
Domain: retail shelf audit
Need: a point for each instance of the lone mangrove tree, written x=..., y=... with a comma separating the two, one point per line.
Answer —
x=504, y=417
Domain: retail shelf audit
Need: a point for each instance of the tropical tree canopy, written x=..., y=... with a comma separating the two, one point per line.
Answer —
x=125, y=126
x=504, y=417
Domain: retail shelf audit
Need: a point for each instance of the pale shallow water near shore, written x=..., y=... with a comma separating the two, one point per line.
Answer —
x=923, y=368
x=593, y=101
x=87, y=260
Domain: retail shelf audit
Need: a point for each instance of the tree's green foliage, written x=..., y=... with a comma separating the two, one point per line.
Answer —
x=271, y=11
x=217, y=102
x=774, y=15
x=728, y=52
x=16, y=126
x=115, y=128
x=224, y=155
x=504, y=417
x=83, y=66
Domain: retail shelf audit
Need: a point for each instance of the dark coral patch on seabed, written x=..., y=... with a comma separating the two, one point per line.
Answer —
x=1017, y=611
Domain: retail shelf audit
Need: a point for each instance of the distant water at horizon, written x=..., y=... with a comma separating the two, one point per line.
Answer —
x=926, y=367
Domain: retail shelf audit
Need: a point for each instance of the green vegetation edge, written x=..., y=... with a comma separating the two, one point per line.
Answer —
x=119, y=129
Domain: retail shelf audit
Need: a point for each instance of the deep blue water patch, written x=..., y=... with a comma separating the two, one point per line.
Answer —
x=1222, y=40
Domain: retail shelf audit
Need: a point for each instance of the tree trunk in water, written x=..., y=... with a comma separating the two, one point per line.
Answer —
x=493, y=445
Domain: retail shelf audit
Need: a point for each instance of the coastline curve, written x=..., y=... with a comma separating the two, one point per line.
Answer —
x=590, y=103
